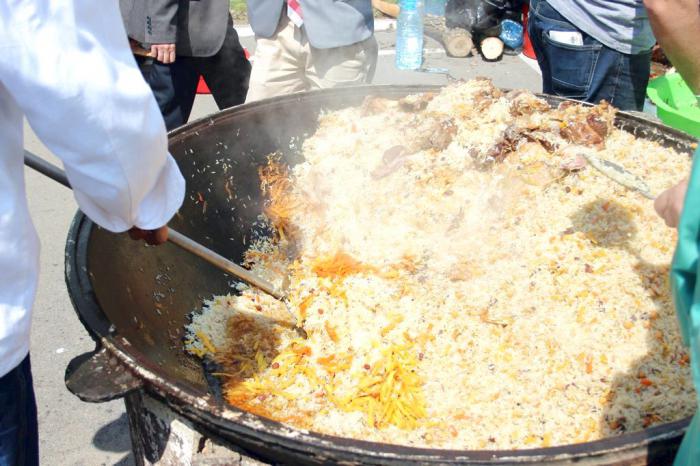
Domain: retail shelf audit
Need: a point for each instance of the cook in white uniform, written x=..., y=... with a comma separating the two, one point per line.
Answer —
x=65, y=65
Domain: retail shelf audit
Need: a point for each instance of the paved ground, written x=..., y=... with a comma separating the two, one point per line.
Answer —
x=76, y=433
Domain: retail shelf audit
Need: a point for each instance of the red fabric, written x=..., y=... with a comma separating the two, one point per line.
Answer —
x=528, y=51
x=202, y=87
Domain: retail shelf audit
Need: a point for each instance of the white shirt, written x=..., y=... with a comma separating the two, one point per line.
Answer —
x=66, y=66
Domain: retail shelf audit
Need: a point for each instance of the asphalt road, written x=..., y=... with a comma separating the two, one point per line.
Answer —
x=77, y=433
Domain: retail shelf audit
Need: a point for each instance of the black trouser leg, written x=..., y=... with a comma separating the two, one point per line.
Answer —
x=19, y=436
x=174, y=87
x=227, y=72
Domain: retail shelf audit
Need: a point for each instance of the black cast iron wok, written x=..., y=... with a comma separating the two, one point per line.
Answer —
x=134, y=300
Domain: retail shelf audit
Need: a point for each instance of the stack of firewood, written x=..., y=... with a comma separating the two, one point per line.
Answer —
x=456, y=41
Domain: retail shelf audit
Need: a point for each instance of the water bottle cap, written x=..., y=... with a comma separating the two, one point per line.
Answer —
x=408, y=5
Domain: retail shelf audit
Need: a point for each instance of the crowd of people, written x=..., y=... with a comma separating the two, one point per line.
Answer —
x=67, y=68
x=322, y=45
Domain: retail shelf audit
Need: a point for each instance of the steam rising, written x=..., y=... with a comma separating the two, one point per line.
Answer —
x=465, y=282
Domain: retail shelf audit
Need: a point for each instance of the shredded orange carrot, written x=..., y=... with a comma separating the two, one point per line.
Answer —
x=332, y=334
x=392, y=391
x=282, y=203
x=304, y=305
x=339, y=265
x=338, y=291
x=336, y=363
x=325, y=361
x=392, y=325
x=206, y=342
x=301, y=350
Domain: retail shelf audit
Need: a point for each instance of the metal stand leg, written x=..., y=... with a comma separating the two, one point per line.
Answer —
x=161, y=437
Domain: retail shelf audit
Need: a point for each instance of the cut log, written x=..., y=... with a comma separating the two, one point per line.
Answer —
x=457, y=42
x=389, y=9
x=492, y=48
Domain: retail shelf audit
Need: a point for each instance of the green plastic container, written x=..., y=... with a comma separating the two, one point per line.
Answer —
x=676, y=105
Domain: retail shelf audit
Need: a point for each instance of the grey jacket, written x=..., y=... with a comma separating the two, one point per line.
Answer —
x=328, y=23
x=197, y=27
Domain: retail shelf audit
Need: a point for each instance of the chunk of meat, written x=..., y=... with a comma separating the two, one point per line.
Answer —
x=525, y=103
x=599, y=125
x=572, y=159
x=507, y=143
x=586, y=126
x=566, y=104
x=416, y=102
x=486, y=93
x=574, y=164
x=393, y=159
x=373, y=105
x=431, y=131
x=580, y=132
x=394, y=153
x=544, y=138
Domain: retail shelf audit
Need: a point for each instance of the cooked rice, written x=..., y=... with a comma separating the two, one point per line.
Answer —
x=471, y=294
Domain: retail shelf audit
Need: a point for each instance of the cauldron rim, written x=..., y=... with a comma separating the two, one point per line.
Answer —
x=223, y=420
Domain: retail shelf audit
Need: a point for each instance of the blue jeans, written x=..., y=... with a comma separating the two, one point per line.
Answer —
x=590, y=72
x=19, y=436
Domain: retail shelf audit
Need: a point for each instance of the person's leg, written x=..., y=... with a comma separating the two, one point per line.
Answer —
x=351, y=65
x=227, y=73
x=278, y=67
x=590, y=71
x=185, y=79
x=19, y=436
x=174, y=87
x=535, y=27
x=621, y=79
x=567, y=69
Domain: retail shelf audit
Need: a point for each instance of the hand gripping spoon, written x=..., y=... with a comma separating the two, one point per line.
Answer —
x=45, y=168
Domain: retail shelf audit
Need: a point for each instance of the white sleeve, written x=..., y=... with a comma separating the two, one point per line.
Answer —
x=68, y=66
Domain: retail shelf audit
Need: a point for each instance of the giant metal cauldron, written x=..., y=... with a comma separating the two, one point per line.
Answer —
x=134, y=300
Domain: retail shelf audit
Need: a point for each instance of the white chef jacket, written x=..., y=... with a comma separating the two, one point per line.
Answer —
x=65, y=65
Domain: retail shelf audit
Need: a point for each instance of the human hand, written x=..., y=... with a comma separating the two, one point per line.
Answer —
x=669, y=204
x=152, y=237
x=164, y=53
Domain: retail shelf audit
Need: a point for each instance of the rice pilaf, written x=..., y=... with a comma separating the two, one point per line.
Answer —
x=466, y=281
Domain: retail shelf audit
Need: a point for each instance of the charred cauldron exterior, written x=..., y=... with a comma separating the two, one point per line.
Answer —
x=134, y=300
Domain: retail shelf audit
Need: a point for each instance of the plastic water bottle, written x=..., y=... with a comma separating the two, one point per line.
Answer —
x=435, y=7
x=511, y=33
x=409, y=36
